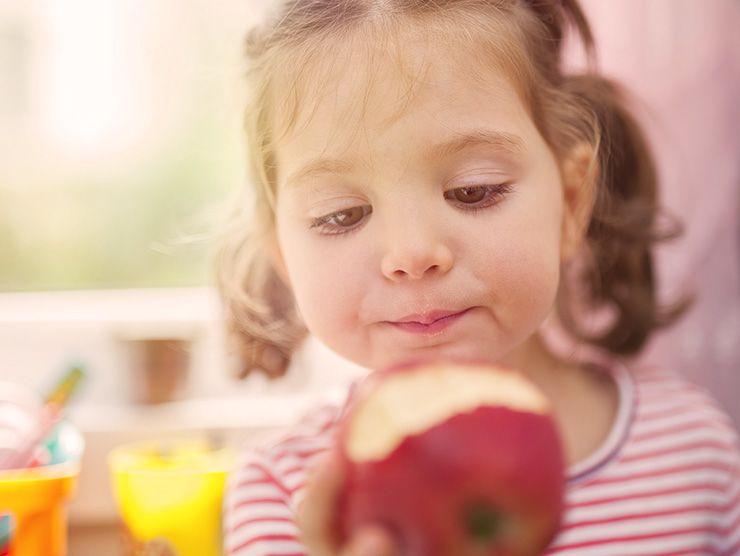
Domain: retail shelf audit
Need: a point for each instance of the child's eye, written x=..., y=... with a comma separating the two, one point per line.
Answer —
x=342, y=221
x=478, y=196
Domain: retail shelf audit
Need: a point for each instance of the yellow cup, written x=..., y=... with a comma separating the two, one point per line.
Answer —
x=171, y=494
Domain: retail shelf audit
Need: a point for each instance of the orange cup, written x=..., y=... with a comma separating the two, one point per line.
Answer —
x=35, y=499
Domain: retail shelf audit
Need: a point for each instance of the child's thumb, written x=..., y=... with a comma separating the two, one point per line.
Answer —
x=318, y=505
x=372, y=540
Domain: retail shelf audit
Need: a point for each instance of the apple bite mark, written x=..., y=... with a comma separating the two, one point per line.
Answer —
x=412, y=401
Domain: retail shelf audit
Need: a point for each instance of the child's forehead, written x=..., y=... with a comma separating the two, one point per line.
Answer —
x=372, y=79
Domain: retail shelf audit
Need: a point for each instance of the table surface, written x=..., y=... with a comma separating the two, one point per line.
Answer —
x=95, y=540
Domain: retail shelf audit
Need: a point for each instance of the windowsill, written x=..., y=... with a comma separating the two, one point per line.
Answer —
x=124, y=305
x=244, y=412
x=42, y=332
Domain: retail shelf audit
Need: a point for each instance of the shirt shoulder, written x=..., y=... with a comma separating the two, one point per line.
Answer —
x=289, y=455
x=671, y=408
x=264, y=490
x=672, y=484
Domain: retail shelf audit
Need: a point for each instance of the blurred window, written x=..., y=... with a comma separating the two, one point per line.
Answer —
x=120, y=133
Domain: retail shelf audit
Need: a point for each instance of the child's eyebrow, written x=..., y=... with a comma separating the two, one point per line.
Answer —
x=319, y=166
x=508, y=143
x=502, y=141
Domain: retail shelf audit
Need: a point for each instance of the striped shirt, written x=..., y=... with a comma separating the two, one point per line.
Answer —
x=665, y=481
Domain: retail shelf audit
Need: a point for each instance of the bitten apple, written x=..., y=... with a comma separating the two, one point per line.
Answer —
x=453, y=459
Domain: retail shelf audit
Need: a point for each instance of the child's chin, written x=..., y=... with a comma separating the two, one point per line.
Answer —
x=457, y=354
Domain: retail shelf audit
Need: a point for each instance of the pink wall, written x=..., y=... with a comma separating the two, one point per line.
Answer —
x=682, y=59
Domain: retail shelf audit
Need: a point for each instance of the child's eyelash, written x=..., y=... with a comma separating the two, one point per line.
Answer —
x=349, y=220
x=491, y=195
x=335, y=223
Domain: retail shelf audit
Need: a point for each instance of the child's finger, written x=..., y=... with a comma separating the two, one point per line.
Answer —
x=371, y=541
x=316, y=511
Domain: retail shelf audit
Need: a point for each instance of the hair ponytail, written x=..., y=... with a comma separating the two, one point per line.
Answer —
x=618, y=271
x=260, y=314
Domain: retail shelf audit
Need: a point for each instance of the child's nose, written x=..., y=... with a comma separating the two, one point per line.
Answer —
x=414, y=256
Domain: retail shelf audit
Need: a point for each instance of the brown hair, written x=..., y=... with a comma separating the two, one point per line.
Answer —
x=526, y=38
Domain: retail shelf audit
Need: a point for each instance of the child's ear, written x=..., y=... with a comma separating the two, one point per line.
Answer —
x=579, y=173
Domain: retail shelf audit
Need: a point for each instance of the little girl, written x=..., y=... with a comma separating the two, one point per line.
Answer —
x=429, y=183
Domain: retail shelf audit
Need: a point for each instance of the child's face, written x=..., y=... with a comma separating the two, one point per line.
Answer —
x=398, y=209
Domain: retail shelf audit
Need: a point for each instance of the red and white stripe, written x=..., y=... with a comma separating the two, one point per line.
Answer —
x=670, y=486
x=262, y=495
x=671, y=489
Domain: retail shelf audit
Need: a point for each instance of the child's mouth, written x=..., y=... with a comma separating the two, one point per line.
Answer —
x=428, y=323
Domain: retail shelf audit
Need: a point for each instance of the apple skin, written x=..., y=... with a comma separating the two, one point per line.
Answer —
x=488, y=481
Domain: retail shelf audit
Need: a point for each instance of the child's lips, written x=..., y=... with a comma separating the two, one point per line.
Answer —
x=428, y=323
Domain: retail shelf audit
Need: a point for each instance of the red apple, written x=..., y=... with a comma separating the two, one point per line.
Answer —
x=453, y=459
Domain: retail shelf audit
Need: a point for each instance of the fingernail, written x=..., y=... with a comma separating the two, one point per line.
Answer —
x=373, y=543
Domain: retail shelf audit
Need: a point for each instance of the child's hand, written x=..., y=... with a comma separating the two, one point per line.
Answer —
x=316, y=516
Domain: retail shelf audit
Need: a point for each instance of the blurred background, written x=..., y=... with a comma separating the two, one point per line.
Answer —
x=120, y=139
x=120, y=128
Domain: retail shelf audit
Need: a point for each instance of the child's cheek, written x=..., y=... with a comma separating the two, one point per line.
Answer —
x=328, y=283
x=526, y=280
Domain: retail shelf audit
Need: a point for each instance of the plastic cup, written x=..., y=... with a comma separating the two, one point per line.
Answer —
x=33, y=500
x=170, y=494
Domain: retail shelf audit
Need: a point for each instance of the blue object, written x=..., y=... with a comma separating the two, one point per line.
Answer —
x=6, y=530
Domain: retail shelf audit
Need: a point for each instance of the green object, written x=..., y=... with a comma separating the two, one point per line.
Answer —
x=66, y=385
x=54, y=448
